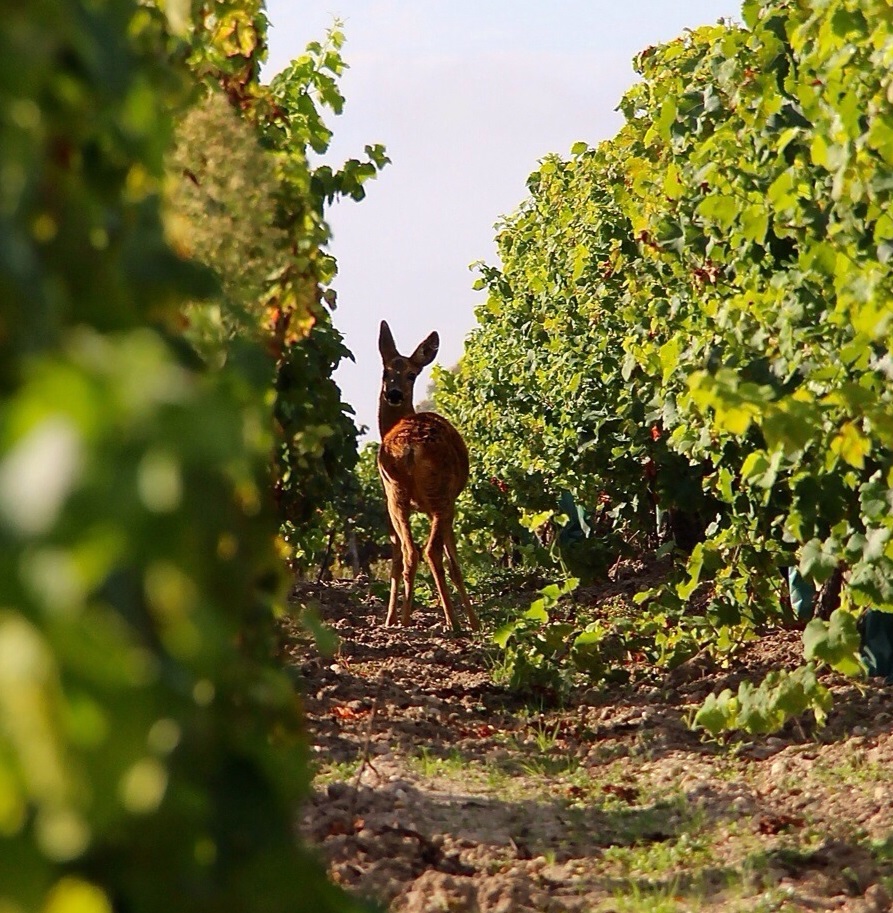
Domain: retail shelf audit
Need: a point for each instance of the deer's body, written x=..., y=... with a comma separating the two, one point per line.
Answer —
x=425, y=454
x=423, y=464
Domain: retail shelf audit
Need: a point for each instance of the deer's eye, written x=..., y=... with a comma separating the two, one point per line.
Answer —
x=410, y=376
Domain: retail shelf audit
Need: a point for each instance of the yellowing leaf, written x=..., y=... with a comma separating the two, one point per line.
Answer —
x=669, y=357
x=755, y=223
x=719, y=208
x=581, y=258
x=754, y=466
x=535, y=521
x=872, y=318
x=851, y=445
x=819, y=150
x=883, y=228
x=781, y=191
x=672, y=185
x=667, y=116
x=735, y=419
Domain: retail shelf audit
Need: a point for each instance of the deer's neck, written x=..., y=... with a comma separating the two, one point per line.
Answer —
x=389, y=415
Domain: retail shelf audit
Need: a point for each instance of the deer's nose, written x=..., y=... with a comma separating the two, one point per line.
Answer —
x=394, y=397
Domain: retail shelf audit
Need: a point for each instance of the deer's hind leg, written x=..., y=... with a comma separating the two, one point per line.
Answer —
x=434, y=557
x=449, y=541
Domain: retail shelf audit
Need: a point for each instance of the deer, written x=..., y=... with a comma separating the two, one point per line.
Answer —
x=423, y=464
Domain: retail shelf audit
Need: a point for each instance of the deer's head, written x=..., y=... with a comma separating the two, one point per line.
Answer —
x=401, y=371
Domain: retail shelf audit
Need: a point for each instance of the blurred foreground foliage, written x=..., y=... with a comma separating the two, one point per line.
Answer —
x=151, y=754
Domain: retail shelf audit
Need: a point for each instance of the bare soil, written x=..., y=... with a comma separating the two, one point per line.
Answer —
x=438, y=790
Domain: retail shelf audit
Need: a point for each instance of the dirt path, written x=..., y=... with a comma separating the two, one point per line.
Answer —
x=440, y=791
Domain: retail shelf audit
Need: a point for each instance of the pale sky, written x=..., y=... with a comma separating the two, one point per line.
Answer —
x=467, y=97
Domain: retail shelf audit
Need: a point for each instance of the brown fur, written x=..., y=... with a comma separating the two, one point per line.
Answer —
x=423, y=463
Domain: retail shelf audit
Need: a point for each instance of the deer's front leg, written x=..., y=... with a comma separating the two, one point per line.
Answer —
x=396, y=574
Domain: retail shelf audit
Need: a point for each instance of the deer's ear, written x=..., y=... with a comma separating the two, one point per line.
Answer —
x=426, y=351
x=386, y=346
